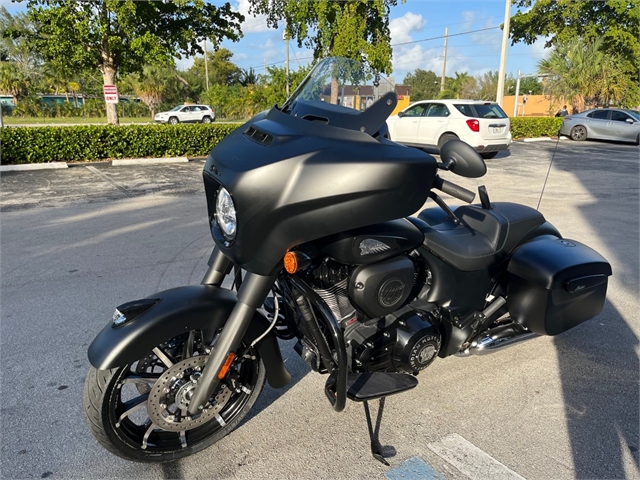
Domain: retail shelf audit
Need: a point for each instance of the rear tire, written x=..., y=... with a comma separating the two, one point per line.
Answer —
x=445, y=138
x=488, y=155
x=578, y=133
x=206, y=119
x=173, y=121
x=110, y=394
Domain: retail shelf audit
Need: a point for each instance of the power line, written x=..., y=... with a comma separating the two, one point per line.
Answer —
x=442, y=36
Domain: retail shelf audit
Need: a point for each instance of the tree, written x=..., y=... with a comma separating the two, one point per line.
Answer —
x=463, y=85
x=356, y=29
x=121, y=36
x=424, y=84
x=616, y=22
x=248, y=77
x=585, y=76
x=152, y=85
x=222, y=71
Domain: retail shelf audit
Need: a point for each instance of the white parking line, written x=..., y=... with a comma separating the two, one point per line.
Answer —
x=470, y=460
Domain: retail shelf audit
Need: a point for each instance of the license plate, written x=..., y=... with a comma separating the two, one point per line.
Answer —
x=497, y=130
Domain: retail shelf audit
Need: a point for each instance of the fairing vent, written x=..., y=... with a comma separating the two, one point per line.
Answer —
x=258, y=136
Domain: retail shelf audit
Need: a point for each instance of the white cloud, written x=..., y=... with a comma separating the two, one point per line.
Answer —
x=252, y=23
x=402, y=27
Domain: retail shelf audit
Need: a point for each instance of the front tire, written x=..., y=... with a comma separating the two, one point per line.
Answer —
x=119, y=413
x=578, y=133
x=173, y=121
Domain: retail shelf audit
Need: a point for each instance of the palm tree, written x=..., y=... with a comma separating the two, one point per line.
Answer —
x=583, y=75
x=13, y=81
x=462, y=84
x=151, y=85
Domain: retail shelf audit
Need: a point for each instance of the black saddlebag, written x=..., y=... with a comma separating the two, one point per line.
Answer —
x=556, y=284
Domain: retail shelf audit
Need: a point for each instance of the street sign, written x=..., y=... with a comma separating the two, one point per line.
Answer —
x=111, y=94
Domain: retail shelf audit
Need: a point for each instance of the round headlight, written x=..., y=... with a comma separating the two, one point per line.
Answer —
x=226, y=214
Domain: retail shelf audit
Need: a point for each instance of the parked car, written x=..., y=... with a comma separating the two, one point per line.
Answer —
x=603, y=124
x=187, y=114
x=432, y=123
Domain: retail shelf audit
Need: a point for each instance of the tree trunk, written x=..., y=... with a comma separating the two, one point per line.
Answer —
x=334, y=91
x=153, y=113
x=109, y=78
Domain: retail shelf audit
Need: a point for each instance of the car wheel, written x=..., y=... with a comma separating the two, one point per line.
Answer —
x=445, y=138
x=578, y=133
x=488, y=155
x=173, y=120
x=206, y=119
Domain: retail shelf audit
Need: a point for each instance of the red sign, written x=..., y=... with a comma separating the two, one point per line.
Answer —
x=111, y=94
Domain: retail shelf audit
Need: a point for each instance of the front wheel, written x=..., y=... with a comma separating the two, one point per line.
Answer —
x=139, y=412
x=173, y=121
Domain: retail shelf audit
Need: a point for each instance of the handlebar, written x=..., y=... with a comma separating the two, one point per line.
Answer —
x=454, y=190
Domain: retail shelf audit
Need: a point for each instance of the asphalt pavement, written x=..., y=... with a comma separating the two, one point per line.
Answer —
x=77, y=242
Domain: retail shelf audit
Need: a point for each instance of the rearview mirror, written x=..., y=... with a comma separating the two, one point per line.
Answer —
x=460, y=158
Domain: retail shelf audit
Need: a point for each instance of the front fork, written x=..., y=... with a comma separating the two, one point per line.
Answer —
x=251, y=296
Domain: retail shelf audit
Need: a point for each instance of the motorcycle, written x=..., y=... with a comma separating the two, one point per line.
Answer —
x=312, y=211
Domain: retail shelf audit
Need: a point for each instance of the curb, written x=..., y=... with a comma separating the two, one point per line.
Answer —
x=144, y=161
x=33, y=166
x=115, y=163
x=537, y=139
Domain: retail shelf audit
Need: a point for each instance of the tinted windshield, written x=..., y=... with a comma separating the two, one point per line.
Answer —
x=341, y=81
x=176, y=109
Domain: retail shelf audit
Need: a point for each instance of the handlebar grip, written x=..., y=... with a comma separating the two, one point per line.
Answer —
x=454, y=190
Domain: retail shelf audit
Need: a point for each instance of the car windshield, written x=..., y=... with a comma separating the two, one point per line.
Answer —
x=176, y=109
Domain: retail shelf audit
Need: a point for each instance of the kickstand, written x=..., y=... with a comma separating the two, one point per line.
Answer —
x=376, y=448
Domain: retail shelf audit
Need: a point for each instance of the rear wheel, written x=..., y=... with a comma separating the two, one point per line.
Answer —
x=445, y=138
x=578, y=133
x=206, y=119
x=139, y=412
x=488, y=155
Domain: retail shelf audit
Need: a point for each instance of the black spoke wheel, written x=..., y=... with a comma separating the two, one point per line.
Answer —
x=578, y=133
x=138, y=411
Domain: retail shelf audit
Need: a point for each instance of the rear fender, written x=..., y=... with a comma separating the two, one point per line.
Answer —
x=166, y=314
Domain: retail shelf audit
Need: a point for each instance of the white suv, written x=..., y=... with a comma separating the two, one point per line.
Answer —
x=432, y=123
x=186, y=114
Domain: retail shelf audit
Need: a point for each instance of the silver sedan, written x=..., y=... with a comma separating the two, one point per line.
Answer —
x=603, y=124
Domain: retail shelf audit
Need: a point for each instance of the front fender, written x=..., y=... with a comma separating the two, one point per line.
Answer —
x=180, y=310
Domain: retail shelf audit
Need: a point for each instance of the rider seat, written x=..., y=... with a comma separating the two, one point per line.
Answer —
x=484, y=237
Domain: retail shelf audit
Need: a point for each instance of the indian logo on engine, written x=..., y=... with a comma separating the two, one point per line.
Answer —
x=391, y=292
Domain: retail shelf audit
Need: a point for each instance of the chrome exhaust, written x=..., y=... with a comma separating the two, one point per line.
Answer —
x=496, y=339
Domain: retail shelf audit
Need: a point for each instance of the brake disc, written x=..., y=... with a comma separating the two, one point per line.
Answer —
x=170, y=396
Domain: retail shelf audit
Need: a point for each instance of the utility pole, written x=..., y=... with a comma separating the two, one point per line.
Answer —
x=286, y=41
x=206, y=65
x=502, y=72
x=515, y=100
x=444, y=64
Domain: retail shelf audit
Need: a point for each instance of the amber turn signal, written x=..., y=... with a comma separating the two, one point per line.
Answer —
x=291, y=263
x=227, y=365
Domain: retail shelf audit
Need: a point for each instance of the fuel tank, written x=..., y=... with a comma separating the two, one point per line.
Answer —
x=293, y=181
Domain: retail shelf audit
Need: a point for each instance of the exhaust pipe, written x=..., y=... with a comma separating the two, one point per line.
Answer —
x=496, y=339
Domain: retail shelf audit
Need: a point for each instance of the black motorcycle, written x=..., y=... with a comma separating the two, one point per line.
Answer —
x=310, y=207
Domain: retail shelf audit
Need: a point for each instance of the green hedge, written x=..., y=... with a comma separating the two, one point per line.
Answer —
x=529, y=127
x=96, y=142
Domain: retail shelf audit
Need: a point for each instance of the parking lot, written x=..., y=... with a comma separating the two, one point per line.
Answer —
x=75, y=243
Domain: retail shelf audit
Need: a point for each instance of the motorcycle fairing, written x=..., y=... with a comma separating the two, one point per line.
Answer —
x=321, y=180
x=180, y=310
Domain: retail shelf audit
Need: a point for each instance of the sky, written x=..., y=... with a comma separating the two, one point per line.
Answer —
x=411, y=21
